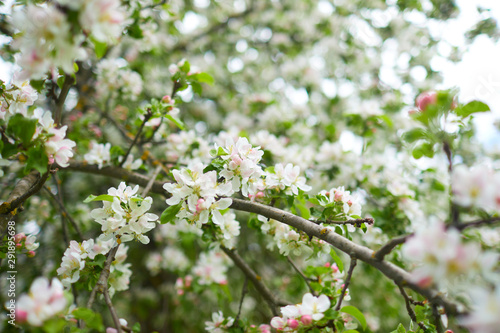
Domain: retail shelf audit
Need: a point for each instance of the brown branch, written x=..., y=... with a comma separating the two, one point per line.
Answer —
x=356, y=222
x=412, y=314
x=389, y=246
x=112, y=309
x=256, y=281
x=139, y=132
x=64, y=212
x=151, y=181
x=478, y=223
x=25, y=188
x=393, y=272
x=346, y=283
x=244, y=291
x=68, y=82
x=119, y=173
x=102, y=283
x=305, y=278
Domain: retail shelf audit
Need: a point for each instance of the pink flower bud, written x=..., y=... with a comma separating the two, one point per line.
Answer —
x=327, y=265
x=30, y=254
x=259, y=195
x=111, y=330
x=425, y=99
x=292, y=323
x=166, y=99
x=335, y=269
x=188, y=280
x=448, y=331
x=21, y=316
x=199, y=205
x=265, y=328
x=19, y=245
x=19, y=237
x=306, y=320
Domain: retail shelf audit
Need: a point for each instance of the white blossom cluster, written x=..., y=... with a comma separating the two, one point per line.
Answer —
x=58, y=149
x=478, y=186
x=442, y=256
x=45, y=300
x=198, y=193
x=301, y=315
x=171, y=259
x=78, y=254
x=99, y=154
x=19, y=96
x=114, y=78
x=284, y=237
x=241, y=168
x=286, y=178
x=47, y=40
x=211, y=267
x=350, y=204
x=180, y=148
x=126, y=217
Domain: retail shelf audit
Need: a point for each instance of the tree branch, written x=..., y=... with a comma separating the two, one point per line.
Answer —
x=256, y=280
x=25, y=188
x=305, y=278
x=68, y=82
x=356, y=222
x=346, y=283
x=112, y=309
x=389, y=246
x=119, y=173
x=64, y=212
x=102, y=283
x=145, y=120
x=362, y=253
x=412, y=314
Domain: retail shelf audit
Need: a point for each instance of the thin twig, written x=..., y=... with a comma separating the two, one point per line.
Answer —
x=151, y=181
x=408, y=302
x=139, y=132
x=478, y=223
x=112, y=309
x=346, y=283
x=244, y=291
x=356, y=222
x=389, y=246
x=64, y=213
x=256, y=281
x=305, y=278
x=102, y=283
x=68, y=82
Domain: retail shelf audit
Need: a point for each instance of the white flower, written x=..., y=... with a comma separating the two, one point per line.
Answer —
x=99, y=154
x=216, y=325
x=314, y=306
x=477, y=186
x=130, y=164
x=43, y=302
x=484, y=317
x=104, y=19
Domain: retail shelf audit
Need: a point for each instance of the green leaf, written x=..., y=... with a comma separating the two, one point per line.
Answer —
x=401, y=329
x=92, y=319
x=99, y=48
x=136, y=327
x=353, y=311
x=203, y=78
x=176, y=121
x=197, y=88
x=169, y=214
x=22, y=128
x=472, y=107
x=414, y=135
x=337, y=260
x=351, y=331
x=102, y=197
x=37, y=159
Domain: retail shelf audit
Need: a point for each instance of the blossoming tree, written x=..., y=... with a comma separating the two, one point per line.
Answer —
x=241, y=166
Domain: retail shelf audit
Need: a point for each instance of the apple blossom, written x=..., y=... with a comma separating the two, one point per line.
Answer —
x=43, y=302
